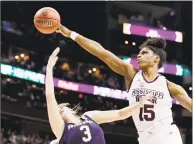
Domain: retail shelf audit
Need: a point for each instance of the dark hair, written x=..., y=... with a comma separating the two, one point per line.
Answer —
x=157, y=45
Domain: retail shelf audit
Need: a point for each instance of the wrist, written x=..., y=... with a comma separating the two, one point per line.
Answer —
x=141, y=104
x=73, y=35
x=67, y=31
x=48, y=68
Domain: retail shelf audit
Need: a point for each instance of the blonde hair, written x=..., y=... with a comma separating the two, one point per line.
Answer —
x=74, y=110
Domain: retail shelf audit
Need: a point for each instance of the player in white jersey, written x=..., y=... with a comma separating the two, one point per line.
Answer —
x=154, y=120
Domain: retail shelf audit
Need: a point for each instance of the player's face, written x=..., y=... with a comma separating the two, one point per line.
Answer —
x=66, y=113
x=146, y=58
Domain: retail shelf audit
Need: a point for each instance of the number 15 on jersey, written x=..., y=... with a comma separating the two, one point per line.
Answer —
x=147, y=113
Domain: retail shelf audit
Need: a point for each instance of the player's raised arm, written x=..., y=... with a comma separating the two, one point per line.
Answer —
x=115, y=115
x=93, y=47
x=55, y=119
x=180, y=95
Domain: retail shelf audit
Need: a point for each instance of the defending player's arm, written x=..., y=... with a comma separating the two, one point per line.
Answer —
x=180, y=95
x=93, y=47
x=55, y=119
x=115, y=115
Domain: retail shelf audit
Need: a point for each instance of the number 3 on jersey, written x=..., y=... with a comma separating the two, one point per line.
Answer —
x=87, y=133
x=147, y=113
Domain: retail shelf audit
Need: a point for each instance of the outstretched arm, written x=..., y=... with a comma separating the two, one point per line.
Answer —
x=115, y=115
x=180, y=95
x=55, y=119
x=93, y=47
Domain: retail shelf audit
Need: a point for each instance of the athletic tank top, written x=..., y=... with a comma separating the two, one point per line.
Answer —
x=155, y=113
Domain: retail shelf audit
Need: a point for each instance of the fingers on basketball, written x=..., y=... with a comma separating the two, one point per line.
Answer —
x=58, y=30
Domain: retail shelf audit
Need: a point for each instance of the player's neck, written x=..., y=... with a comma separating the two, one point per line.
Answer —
x=74, y=120
x=150, y=73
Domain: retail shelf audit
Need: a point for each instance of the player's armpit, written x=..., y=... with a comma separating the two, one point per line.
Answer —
x=180, y=95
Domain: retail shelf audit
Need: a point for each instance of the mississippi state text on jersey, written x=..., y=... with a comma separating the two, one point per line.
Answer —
x=85, y=132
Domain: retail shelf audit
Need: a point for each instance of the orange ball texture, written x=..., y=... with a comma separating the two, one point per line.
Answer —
x=47, y=20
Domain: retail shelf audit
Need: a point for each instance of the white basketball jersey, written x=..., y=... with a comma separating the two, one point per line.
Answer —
x=155, y=114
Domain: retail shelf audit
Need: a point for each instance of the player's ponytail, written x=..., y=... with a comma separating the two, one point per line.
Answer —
x=155, y=42
x=74, y=110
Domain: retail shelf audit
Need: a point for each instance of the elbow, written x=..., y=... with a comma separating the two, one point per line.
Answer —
x=99, y=49
x=105, y=56
x=102, y=53
x=121, y=115
x=98, y=44
x=49, y=92
x=49, y=95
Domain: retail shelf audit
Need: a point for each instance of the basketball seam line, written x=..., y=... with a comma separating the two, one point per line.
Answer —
x=47, y=18
x=44, y=28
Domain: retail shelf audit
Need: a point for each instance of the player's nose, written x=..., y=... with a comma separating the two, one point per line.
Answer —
x=138, y=56
x=61, y=111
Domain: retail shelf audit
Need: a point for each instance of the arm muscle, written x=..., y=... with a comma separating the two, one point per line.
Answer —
x=115, y=63
x=180, y=95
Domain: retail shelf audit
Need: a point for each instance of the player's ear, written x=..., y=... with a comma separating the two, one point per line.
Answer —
x=157, y=59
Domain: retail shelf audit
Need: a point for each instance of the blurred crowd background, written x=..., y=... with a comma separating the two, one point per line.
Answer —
x=24, y=117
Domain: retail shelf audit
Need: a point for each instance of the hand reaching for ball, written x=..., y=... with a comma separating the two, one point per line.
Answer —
x=53, y=58
x=63, y=30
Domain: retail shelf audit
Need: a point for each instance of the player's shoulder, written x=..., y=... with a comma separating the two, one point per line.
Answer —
x=138, y=74
x=162, y=78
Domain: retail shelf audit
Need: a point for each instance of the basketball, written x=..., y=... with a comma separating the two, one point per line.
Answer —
x=47, y=20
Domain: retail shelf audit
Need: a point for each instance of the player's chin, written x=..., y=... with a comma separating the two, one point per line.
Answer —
x=141, y=65
x=63, y=117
